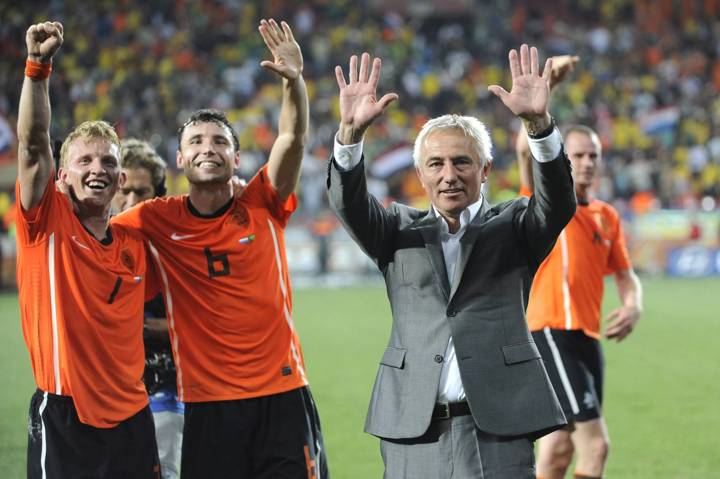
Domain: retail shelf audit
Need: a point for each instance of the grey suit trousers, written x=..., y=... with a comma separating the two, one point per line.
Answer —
x=456, y=449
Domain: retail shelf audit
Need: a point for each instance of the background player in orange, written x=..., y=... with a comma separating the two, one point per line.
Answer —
x=240, y=371
x=81, y=290
x=564, y=306
x=145, y=174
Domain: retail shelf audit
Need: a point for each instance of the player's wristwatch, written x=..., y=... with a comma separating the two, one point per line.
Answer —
x=543, y=133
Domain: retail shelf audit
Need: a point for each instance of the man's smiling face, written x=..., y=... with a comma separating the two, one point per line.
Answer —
x=451, y=171
x=92, y=170
x=207, y=153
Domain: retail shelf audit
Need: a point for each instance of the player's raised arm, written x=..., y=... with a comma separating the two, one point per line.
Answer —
x=287, y=151
x=35, y=163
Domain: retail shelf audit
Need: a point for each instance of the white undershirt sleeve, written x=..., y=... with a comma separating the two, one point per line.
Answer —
x=546, y=149
x=347, y=157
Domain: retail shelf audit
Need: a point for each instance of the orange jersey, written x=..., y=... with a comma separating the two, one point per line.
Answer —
x=81, y=305
x=227, y=293
x=568, y=287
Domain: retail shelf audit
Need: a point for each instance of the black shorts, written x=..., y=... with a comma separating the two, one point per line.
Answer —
x=60, y=446
x=260, y=438
x=575, y=364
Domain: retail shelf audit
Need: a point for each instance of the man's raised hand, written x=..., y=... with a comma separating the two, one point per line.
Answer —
x=287, y=57
x=528, y=97
x=359, y=105
x=562, y=66
x=43, y=40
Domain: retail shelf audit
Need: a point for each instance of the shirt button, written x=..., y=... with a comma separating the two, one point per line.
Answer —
x=438, y=358
x=452, y=313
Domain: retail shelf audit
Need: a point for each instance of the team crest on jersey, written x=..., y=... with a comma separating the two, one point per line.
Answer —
x=127, y=259
x=239, y=216
x=600, y=221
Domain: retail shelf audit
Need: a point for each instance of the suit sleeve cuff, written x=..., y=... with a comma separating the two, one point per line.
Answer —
x=545, y=149
x=347, y=157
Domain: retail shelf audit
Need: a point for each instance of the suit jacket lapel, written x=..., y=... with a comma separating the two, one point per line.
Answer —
x=430, y=231
x=467, y=243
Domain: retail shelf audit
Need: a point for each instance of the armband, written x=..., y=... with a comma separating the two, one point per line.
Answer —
x=37, y=71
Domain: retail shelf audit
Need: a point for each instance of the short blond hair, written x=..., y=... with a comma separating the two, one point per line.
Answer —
x=90, y=129
x=140, y=154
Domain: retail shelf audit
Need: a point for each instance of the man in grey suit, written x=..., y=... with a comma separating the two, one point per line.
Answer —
x=461, y=390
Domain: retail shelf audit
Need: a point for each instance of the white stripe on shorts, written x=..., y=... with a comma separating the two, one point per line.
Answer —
x=561, y=370
x=43, y=450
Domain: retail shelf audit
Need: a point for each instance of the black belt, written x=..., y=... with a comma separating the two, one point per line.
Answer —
x=444, y=410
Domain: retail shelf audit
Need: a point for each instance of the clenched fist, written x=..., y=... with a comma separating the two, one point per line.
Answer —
x=43, y=40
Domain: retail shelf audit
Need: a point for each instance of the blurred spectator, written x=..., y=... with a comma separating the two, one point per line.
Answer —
x=649, y=79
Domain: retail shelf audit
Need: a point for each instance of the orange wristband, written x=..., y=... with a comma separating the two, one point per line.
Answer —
x=37, y=71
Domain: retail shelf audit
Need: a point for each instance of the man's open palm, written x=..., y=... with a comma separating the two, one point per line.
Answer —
x=359, y=105
x=287, y=57
x=528, y=97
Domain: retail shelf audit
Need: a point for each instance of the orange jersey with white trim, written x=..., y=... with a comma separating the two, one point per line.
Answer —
x=227, y=292
x=568, y=287
x=81, y=306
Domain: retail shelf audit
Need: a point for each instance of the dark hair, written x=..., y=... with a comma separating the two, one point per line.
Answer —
x=56, y=147
x=207, y=115
x=140, y=154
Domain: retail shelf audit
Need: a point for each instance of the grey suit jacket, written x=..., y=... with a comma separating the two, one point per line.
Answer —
x=505, y=381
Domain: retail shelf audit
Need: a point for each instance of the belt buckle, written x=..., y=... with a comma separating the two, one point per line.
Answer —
x=444, y=411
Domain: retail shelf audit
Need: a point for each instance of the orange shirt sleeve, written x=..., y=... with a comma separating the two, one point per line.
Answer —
x=33, y=224
x=132, y=218
x=260, y=192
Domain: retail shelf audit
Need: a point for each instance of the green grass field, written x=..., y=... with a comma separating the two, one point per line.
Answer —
x=662, y=393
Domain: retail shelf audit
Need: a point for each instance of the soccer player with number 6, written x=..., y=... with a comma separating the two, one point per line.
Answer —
x=223, y=273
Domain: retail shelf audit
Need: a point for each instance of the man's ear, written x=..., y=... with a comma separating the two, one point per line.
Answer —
x=485, y=171
x=236, y=160
x=419, y=174
x=178, y=159
x=122, y=178
x=65, y=188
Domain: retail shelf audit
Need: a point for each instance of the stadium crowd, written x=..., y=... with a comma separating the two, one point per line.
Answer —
x=648, y=80
x=145, y=67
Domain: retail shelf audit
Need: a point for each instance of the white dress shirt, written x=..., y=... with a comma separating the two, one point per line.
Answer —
x=543, y=150
x=451, y=388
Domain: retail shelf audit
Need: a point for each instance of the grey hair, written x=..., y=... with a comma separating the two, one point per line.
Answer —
x=470, y=126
